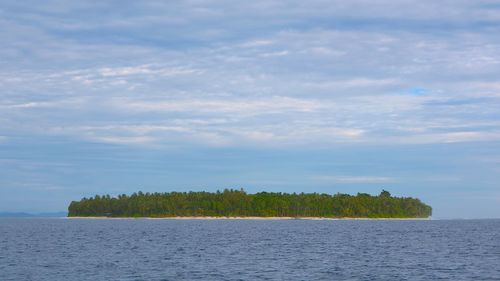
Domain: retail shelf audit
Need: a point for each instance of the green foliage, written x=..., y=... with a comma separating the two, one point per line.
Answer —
x=239, y=203
x=385, y=193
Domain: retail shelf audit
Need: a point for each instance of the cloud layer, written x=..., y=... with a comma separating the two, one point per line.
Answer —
x=260, y=73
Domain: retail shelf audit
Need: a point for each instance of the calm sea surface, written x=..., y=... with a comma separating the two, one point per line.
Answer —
x=75, y=250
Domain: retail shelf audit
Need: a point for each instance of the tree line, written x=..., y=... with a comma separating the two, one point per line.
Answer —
x=230, y=203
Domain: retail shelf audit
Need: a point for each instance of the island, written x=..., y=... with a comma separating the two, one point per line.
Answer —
x=238, y=203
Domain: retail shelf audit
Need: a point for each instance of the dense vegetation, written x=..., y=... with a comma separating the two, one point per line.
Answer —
x=239, y=203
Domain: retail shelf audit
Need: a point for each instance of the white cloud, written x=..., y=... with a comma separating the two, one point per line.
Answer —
x=275, y=54
x=354, y=179
x=29, y=105
x=49, y=105
x=256, y=43
x=465, y=136
x=352, y=83
x=151, y=70
x=272, y=81
x=237, y=106
x=141, y=140
x=438, y=137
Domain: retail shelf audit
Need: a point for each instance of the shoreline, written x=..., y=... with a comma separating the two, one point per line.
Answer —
x=244, y=218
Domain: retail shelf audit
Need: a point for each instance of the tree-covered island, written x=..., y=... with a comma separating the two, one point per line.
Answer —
x=238, y=203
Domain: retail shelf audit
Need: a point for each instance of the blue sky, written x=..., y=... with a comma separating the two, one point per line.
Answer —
x=314, y=96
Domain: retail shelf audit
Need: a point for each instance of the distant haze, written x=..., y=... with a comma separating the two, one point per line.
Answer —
x=295, y=96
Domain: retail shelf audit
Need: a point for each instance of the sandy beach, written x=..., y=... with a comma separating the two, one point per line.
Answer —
x=245, y=218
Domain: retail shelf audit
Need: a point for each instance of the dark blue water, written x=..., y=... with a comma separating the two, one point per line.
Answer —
x=71, y=250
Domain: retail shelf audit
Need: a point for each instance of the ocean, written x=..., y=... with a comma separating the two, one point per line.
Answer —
x=44, y=249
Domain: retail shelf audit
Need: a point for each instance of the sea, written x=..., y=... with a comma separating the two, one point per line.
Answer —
x=63, y=249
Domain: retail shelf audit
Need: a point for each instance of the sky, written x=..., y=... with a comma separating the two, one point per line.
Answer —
x=112, y=97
